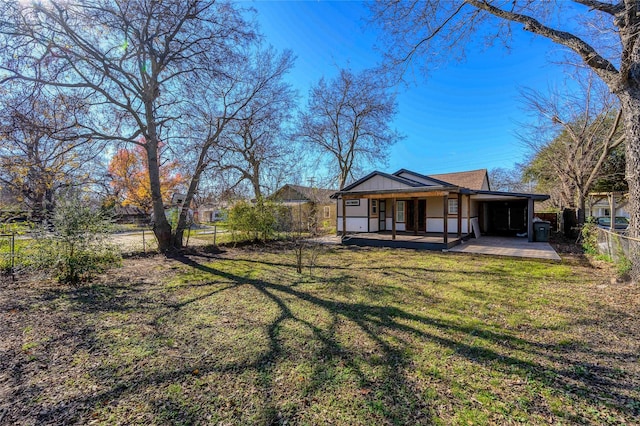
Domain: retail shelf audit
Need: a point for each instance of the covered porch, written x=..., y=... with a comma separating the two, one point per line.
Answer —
x=433, y=219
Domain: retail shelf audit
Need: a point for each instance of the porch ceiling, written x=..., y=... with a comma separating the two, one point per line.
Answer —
x=498, y=198
x=399, y=193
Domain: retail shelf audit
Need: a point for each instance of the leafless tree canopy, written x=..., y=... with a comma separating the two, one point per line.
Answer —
x=138, y=63
x=509, y=180
x=348, y=120
x=575, y=134
x=257, y=145
x=42, y=149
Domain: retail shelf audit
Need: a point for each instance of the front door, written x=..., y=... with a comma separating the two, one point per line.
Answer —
x=382, y=216
x=422, y=215
x=409, y=219
x=421, y=225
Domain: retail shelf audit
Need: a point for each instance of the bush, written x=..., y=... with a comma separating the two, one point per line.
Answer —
x=259, y=221
x=75, y=245
x=590, y=238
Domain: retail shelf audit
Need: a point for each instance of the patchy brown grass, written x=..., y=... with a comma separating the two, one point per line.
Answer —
x=368, y=336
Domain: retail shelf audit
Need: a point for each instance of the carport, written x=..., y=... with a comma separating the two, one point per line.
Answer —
x=506, y=214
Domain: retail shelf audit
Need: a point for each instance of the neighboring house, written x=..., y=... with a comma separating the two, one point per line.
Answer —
x=449, y=207
x=311, y=208
x=600, y=204
x=131, y=215
x=211, y=213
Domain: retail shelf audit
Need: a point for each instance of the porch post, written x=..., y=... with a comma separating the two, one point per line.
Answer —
x=415, y=216
x=468, y=214
x=459, y=215
x=393, y=218
x=445, y=218
x=612, y=211
x=344, y=218
x=530, y=219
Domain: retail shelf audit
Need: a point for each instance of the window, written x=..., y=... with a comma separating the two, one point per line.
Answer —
x=453, y=206
x=400, y=211
x=374, y=207
x=327, y=212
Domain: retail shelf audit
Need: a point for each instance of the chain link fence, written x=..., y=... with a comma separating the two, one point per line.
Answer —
x=620, y=248
x=144, y=240
x=617, y=246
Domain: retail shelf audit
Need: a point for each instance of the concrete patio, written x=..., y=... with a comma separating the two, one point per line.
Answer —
x=505, y=246
x=494, y=246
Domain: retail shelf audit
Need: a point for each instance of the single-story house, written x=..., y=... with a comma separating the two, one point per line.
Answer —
x=131, y=215
x=311, y=208
x=601, y=203
x=211, y=212
x=442, y=209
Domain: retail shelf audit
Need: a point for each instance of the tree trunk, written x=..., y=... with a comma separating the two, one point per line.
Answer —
x=630, y=102
x=193, y=187
x=580, y=207
x=161, y=227
x=255, y=180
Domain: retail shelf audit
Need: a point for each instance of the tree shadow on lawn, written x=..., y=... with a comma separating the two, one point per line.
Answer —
x=391, y=395
x=582, y=380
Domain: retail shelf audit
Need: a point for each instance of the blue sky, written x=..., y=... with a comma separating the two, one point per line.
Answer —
x=462, y=116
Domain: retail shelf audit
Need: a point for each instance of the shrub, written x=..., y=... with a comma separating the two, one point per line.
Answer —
x=75, y=245
x=259, y=221
x=590, y=238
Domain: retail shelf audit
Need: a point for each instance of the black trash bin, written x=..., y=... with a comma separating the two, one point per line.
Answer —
x=541, y=231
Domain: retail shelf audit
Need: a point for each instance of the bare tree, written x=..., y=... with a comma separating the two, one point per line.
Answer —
x=220, y=103
x=347, y=119
x=509, y=180
x=42, y=151
x=576, y=132
x=134, y=61
x=256, y=144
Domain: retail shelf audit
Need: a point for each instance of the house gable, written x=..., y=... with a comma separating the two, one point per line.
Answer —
x=287, y=194
x=420, y=178
x=297, y=194
x=378, y=181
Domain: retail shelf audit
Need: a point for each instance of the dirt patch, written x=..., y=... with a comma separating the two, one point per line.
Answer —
x=565, y=245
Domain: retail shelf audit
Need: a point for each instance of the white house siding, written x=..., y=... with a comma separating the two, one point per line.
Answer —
x=378, y=183
x=354, y=224
x=361, y=210
x=437, y=225
x=357, y=216
x=602, y=208
x=373, y=224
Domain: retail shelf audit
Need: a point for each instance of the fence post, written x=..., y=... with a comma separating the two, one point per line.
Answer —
x=13, y=251
x=144, y=243
x=215, y=233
